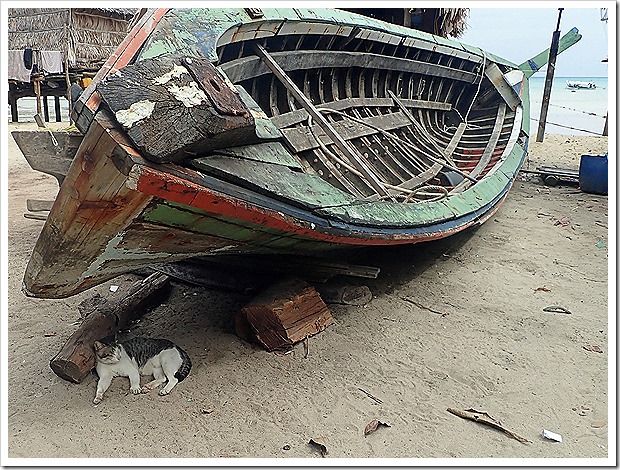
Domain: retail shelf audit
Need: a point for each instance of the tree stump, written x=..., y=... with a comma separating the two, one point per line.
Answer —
x=283, y=315
x=77, y=358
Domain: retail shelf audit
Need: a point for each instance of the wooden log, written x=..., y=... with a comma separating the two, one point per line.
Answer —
x=77, y=358
x=282, y=315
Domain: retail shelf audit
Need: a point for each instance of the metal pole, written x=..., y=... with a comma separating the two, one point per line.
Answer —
x=553, y=52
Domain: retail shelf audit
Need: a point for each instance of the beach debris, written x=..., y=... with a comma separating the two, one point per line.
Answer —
x=319, y=442
x=556, y=309
x=282, y=315
x=373, y=425
x=564, y=221
x=113, y=288
x=600, y=244
x=484, y=418
x=346, y=295
x=286, y=447
x=424, y=307
x=598, y=424
x=207, y=411
x=49, y=334
x=552, y=436
x=372, y=397
x=542, y=289
x=593, y=348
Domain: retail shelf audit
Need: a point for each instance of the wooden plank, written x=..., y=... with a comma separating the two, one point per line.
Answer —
x=300, y=115
x=38, y=205
x=496, y=77
x=250, y=67
x=488, y=150
x=275, y=180
x=350, y=152
x=266, y=152
x=301, y=140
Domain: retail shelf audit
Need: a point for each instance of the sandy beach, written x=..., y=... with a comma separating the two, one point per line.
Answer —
x=457, y=323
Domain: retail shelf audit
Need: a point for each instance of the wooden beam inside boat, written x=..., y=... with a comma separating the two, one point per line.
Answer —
x=342, y=144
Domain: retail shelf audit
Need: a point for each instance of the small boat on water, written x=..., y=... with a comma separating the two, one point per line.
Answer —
x=297, y=131
x=580, y=85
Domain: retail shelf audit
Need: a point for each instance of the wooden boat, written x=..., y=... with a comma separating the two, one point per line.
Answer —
x=299, y=131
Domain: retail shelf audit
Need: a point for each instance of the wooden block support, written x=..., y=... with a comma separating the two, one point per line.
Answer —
x=77, y=358
x=283, y=315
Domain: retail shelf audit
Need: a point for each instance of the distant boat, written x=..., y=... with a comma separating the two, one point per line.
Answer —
x=279, y=131
x=580, y=85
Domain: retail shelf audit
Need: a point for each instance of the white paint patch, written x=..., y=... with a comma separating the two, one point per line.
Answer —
x=136, y=112
x=176, y=71
x=189, y=95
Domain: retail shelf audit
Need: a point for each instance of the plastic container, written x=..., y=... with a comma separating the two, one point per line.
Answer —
x=593, y=174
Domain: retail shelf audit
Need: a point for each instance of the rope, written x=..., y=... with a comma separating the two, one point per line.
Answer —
x=569, y=127
x=578, y=110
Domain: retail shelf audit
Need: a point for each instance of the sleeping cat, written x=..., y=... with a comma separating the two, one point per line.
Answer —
x=147, y=356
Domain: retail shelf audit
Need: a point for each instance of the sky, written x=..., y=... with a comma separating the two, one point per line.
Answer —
x=517, y=34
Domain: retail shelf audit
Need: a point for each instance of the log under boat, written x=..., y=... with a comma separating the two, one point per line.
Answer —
x=214, y=131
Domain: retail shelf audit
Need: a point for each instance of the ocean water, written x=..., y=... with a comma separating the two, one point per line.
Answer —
x=571, y=112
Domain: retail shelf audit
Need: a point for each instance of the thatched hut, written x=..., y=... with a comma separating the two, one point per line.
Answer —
x=51, y=48
x=445, y=22
x=86, y=37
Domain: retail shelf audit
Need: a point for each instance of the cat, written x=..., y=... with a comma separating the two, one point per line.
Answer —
x=147, y=356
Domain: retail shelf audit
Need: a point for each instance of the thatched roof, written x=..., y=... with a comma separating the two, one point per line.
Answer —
x=86, y=36
x=446, y=22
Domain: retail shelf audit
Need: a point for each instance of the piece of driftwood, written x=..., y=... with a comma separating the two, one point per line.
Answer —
x=28, y=215
x=283, y=315
x=347, y=295
x=484, y=418
x=77, y=358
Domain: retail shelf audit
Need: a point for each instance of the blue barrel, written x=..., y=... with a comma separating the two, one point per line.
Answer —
x=593, y=174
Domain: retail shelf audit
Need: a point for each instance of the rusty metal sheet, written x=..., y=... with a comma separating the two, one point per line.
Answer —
x=223, y=98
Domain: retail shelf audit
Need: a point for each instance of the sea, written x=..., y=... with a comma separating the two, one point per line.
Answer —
x=570, y=112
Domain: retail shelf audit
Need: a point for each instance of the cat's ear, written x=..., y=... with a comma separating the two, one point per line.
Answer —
x=98, y=346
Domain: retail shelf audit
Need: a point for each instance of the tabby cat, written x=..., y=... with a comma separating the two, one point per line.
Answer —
x=147, y=356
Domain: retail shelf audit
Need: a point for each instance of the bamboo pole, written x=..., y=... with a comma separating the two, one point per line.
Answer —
x=553, y=52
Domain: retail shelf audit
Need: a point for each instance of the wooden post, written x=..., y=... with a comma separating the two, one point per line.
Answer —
x=46, y=109
x=77, y=358
x=605, y=130
x=13, y=103
x=553, y=52
x=57, y=108
x=36, y=83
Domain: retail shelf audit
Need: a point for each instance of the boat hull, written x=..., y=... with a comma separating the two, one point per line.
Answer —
x=125, y=203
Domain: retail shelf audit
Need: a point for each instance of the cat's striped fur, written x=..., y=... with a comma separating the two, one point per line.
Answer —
x=160, y=358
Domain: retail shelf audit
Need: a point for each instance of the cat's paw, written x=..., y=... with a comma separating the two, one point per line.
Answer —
x=163, y=391
x=97, y=400
x=135, y=390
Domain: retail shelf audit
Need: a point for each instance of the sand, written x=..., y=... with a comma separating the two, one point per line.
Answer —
x=457, y=323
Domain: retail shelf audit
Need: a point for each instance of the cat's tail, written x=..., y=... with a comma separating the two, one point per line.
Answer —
x=186, y=365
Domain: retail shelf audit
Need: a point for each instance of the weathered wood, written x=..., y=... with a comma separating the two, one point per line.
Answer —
x=350, y=152
x=50, y=152
x=37, y=205
x=77, y=358
x=283, y=315
x=347, y=295
x=173, y=109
